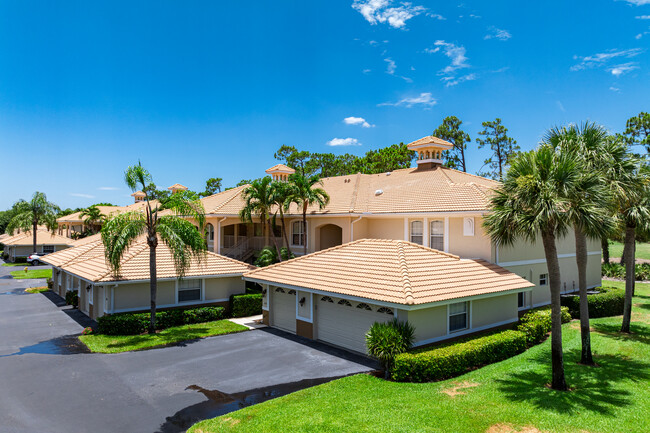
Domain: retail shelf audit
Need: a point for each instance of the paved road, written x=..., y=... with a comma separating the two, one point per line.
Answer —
x=47, y=384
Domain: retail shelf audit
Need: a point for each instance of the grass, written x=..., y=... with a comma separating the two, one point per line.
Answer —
x=37, y=289
x=642, y=250
x=32, y=273
x=124, y=343
x=16, y=264
x=505, y=397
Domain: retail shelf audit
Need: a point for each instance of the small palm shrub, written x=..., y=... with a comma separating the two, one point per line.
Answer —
x=616, y=270
x=387, y=340
x=269, y=255
x=72, y=298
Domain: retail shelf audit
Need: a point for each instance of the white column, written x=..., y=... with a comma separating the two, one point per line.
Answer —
x=425, y=232
x=406, y=229
x=446, y=237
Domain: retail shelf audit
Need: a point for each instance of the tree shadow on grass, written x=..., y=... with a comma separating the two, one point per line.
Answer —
x=640, y=333
x=593, y=388
x=171, y=337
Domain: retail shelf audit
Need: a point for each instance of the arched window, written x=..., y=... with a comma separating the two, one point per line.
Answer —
x=416, y=232
x=209, y=230
x=364, y=307
x=292, y=292
x=326, y=299
x=385, y=310
x=345, y=302
x=279, y=290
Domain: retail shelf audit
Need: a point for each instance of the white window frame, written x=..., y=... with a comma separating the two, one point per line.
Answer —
x=468, y=226
x=179, y=290
x=544, y=278
x=440, y=237
x=210, y=228
x=300, y=233
x=413, y=232
x=467, y=313
x=51, y=246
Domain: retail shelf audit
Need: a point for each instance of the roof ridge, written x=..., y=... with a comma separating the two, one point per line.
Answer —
x=473, y=175
x=229, y=199
x=403, y=267
x=444, y=253
x=451, y=182
x=355, y=193
x=232, y=260
x=130, y=257
x=475, y=186
x=91, y=246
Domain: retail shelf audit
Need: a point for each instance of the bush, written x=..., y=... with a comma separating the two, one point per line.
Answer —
x=72, y=298
x=387, y=340
x=616, y=270
x=246, y=305
x=87, y=331
x=50, y=283
x=269, y=255
x=536, y=324
x=457, y=358
x=609, y=302
x=137, y=323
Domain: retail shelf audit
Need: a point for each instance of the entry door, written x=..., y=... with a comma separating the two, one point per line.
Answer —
x=283, y=309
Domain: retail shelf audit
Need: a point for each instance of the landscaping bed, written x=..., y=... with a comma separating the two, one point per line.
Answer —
x=608, y=302
x=616, y=270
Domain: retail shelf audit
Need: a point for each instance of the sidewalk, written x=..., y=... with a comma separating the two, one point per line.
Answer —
x=252, y=322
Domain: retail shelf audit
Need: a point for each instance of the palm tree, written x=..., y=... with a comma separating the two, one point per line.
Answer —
x=305, y=193
x=180, y=235
x=259, y=201
x=30, y=214
x=588, y=204
x=280, y=196
x=94, y=217
x=532, y=201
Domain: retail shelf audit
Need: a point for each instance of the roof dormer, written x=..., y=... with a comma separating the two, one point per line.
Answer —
x=139, y=196
x=177, y=187
x=429, y=151
x=280, y=172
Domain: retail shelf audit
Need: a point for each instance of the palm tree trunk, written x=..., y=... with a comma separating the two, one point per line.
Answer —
x=275, y=243
x=153, y=282
x=34, y=228
x=284, y=233
x=265, y=229
x=628, y=251
x=304, y=226
x=557, y=360
x=581, y=261
x=604, y=243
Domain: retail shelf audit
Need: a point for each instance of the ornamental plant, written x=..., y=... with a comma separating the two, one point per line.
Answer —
x=387, y=340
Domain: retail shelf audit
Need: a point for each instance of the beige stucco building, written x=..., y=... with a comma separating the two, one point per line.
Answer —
x=21, y=245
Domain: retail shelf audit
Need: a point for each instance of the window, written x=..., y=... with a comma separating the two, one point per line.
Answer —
x=416, y=232
x=344, y=302
x=458, y=316
x=468, y=226
x=521, y=299
x=437, y=235
x=543, y=279
x=189, y=290
x=210, y=230
x=297, y=233
x=48, y=249
x=292, y=292
x=385, y=310
x=327, y=299
x=279, y=290
x=363, y=306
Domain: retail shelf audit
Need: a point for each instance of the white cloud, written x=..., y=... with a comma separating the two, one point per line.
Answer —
x=503, y=69
x=77, y=194
x=619, y=70
x=500, y=34
x=367, y=71
x=436, y=16
x=390, y=69
x=642, y=17
x=343, y=142
x=638, y=2
x=452, y=81
x=107, y=188
x=560, y=105
x=614, y=89
x=458, y=61
x=381, y=11
x=424, y=99
x=357, y=121
x=600, y=59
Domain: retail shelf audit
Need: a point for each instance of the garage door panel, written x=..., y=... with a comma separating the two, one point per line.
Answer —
x=283, y=309
x=340, y=322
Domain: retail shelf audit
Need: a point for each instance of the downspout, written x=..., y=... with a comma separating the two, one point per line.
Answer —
x=352, y=227
x=219, y=234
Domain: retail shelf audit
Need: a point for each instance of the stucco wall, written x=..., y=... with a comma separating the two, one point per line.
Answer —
x=477, y=246
x=385, y=228
x=429, y=323
x=489, y=311
x=222, y=288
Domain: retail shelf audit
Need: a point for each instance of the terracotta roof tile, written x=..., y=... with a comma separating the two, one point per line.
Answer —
x=43, y=237
x=391, y=271
x=280, y=168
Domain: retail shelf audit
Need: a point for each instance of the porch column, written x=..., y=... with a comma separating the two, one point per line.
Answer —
x=425, y=232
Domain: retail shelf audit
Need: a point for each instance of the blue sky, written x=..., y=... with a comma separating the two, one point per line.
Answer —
x=212, y=89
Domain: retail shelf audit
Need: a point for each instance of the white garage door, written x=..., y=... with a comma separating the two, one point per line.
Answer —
x=345, y=323
x=283, y=309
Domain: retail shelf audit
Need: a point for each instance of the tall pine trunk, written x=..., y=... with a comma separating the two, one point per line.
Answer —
x=629, y=253
x=552, y=262
x=581, y=261
x=604, y=243
x=153, y=282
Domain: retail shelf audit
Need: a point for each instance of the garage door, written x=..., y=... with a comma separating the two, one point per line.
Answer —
x=345, y=323
x=283, y=309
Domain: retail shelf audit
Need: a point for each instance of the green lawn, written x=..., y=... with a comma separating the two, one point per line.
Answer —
x=32, y=273
x=506, y=397
x=125, y=343
x=16, y=264
x=642, y=250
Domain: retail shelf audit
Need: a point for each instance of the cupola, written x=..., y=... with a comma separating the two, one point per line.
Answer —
x=139, y=196
x=429, y=151
x=280, y=172
x=177, y=187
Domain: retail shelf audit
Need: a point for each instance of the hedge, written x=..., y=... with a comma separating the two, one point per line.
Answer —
x=536, y=324
x=609, y=302
x=616, y=270
x=246, y=305
x=137, y=323
x=447, y=361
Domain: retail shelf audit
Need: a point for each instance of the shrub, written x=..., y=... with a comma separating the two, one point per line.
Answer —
x=457, y=358
x=608, y=302
x=536, y=324
x=269, y=255
x=87, y=331
x=617, y=270
x=246, y=305
x=387, y=340
x=137, y=323
x=50, y=283
x=72, y=298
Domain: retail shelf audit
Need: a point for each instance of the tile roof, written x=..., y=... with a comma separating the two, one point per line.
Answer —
x=177, y=186
x=88, y=261
x=429, y=139
x=393, y=271
x=43, y=237
x=77, y=218
x=138, y=194
x=407, y=190
x=87, y=240
x=280, y=168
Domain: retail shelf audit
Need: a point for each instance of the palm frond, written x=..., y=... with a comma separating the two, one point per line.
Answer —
x=137, y=177
x=183, y=239
x=119, y=233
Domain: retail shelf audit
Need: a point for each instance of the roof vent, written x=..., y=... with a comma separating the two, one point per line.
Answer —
x=388, y=173
x=379, y=192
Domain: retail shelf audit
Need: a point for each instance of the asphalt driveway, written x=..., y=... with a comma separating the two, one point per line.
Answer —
x=48, y=383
